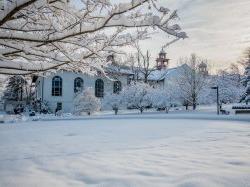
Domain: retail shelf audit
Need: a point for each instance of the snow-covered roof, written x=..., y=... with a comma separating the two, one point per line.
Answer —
x=159, y=75
x=118, y=70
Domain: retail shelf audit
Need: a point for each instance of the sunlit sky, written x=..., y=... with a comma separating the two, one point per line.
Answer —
x=218, y=30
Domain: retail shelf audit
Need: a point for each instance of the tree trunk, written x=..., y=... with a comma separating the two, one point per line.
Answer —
x=194, y=102
x=194, y=106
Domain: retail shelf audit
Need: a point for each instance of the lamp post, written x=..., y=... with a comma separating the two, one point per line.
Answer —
x=218, y=104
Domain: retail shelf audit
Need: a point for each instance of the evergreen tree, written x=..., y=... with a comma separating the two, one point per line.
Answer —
x=246, y=80
x=246, y=96
x=15, y=88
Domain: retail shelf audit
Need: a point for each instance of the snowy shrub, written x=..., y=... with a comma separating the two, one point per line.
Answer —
x=161, y=99
x=113, y=101
x=137, y=95
x=86, y=102
x=59, y=113
x=41, y=106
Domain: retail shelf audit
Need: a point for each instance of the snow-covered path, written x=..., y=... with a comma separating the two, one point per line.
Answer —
x=125, y=152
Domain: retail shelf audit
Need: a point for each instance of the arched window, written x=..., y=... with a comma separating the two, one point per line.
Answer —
x=78, y=84
x=57, y=86
x=99, y=88
x=117, y=86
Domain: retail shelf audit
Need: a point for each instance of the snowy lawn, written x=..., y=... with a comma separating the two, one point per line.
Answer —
x=125, y=152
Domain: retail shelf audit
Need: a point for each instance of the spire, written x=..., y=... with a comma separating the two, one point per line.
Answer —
x=162, y=61
x=162, y=51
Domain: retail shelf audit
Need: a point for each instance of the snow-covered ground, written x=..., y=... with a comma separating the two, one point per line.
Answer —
x=129, y=150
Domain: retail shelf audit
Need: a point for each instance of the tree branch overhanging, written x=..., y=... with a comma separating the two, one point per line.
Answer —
x=30, y=29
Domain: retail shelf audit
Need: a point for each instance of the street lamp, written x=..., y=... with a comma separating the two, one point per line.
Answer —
x=218, y=104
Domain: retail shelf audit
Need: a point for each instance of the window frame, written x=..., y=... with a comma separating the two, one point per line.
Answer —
x=117, y=87
x=99, y=88
x=57, y=84
x=76, y=80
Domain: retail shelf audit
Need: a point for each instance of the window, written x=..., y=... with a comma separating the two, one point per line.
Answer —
x=57, y=86
x=78, y=85
x=59, y=106
x=99, y=88
x=117, y=86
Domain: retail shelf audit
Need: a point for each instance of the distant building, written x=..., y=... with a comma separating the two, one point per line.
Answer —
x=161, y=76
x=162, y=61
x=203, y=68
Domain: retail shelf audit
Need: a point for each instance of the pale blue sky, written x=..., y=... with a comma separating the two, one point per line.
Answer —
x=218, y=30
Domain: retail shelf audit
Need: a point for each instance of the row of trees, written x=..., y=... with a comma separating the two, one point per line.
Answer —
x=138, y=95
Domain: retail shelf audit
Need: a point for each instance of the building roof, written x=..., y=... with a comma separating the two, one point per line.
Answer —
x=159, y=75
x=118, y=70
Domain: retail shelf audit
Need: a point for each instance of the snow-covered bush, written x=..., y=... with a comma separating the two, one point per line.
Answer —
x=161, y=99
x=41, y=106
x=137, y=95
x=86, y=102
x=113, y=101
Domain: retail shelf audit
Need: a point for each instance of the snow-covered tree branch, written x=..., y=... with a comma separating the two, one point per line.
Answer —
x=47, y=35
x=191, y=81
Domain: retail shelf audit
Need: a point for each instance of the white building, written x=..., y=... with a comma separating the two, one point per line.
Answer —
x=59, y=89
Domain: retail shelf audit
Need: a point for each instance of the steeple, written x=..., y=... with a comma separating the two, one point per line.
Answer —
x=203, y=68
x=162, y=61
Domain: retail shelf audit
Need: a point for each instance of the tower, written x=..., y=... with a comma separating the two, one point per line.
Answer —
x=162, y=61
x=203, y=68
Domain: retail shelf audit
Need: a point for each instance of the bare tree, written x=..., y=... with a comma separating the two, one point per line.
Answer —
x=47, y=35
x=190, y=81
x=144, y=66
